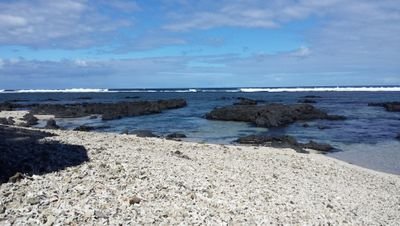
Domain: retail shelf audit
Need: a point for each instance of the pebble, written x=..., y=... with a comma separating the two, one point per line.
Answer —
x=134, y=200
x=238, y=188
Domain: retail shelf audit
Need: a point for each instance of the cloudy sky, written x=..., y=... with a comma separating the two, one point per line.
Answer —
x=198, y=43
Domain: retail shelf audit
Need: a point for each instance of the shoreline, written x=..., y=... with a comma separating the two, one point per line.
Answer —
x=151, y=181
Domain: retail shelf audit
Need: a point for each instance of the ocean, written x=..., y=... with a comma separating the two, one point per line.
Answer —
x=366, y=138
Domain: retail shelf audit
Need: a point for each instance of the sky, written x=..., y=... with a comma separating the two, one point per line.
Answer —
x=46, y=44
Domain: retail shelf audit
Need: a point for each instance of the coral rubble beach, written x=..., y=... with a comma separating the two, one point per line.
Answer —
x=128, y=180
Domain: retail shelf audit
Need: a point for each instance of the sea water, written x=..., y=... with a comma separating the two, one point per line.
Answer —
x=366, y=138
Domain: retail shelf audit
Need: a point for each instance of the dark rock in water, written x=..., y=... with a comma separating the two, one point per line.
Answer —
x=307, y=101
x=7, y=106
x=51, y=124
x=84, y=98
x=323, y=127
x=283, y=142
x=245, y=101
x=30, y=120
x=174, y=136
x=143, y=133
x=84, y=128
x=108, y=111
x=398, y=136
x=318, y=146
x=270, y=115
x=23, y=152
x=93, y=117
x=134, y=97
x=335, y=117
x=275, y=141
x=305, y=125
x=50, y=99
x=311, y=96
x=225, y=98
x=18, y=100
x=389, y=106
x=4, y=121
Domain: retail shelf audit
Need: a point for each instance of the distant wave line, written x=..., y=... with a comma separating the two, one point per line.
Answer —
x=221, y=90
x=323, y=89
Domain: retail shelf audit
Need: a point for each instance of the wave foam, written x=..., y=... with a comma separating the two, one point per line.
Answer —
x=211, y=90
x=73, y=90
x=323, y=89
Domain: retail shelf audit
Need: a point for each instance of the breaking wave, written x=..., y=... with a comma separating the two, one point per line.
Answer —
x=323, y=89
x=216, y=90
x=73, y=90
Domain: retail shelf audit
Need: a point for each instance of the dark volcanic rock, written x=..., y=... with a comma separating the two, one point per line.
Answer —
x=323, y=127
x=10, y=121
x=23, y=154
x=50, y=99
x=7, y=106
x=108, y=111
x=51, y=124
x=4, y=121
x=274, y=141
x=134, y=97
x=335, y=117
x=245, y=101
x=7, y=121
x=19, y=100
x=318, y=146
x=175, y=136
x=283, y=142
x=270, y=115
x=389, y=106
x=84, y=98
x=143, y=133
x=307, y=101
x=311, y=96
x=84, y=128
x=30, y=120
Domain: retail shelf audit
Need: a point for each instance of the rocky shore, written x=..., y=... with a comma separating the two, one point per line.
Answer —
x=108, y=111
x=130, y=180
x=270, y=115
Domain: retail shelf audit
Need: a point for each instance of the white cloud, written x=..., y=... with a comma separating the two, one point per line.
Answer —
x=12, y=21
x=251, y=14
x=57, y=24
x=303, y=51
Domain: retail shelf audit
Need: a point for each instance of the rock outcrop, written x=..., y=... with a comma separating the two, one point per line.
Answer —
x=108, y=111
x=389, y=106
x=30, y=120
x=245, y=101
x=7, y=121
x=175, y=136
x=51, y=124
x=143, y=133
x=270, y=115
x=284, y=142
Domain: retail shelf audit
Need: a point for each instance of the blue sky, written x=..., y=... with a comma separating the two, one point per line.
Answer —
x=182, y=43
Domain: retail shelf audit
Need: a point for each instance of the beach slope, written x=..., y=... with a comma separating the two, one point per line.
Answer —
x=129, y=180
